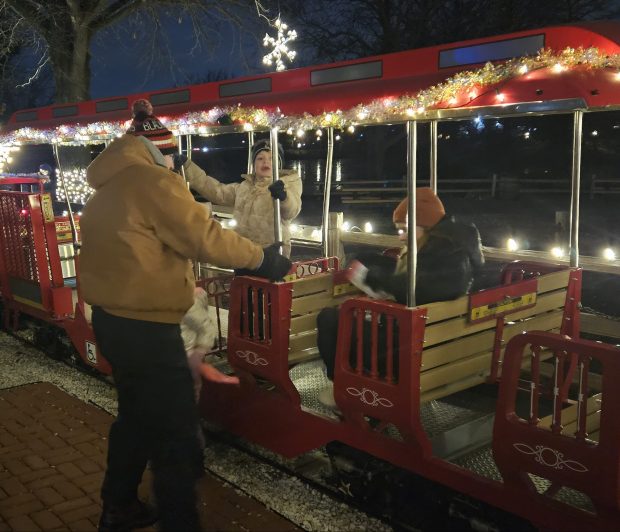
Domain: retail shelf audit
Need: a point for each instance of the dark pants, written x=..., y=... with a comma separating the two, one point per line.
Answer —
x=327, y=337
x=157, y=417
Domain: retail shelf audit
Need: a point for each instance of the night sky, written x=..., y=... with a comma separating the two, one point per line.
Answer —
x=121, y=62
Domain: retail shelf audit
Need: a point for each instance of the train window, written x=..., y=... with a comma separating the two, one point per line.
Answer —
x=368, y=174
x=28, y=157
x=168, y=98
x=493, y=51
x=600, y=186
x=67, y=110
x=112, y=105
x=254, y=86
x=26, y=116
x=324, y=76
x=222, y=156
x=511, y=177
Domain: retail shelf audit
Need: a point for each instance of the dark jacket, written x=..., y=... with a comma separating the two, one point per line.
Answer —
x=445, y=268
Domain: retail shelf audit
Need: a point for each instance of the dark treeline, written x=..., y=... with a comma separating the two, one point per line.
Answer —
x=334, y=30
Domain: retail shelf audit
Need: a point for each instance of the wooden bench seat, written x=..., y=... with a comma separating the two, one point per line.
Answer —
x=431, y=351
x=457, y=354
x=569, y=418
x=310, y=295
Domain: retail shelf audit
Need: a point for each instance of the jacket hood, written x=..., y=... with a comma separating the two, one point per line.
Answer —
x=120, y=154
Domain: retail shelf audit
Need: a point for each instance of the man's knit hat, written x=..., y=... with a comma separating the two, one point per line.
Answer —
x=429, y=209
x=146, y=124
x=265, y=145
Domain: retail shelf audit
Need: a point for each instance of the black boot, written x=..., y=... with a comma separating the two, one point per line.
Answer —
x=120, y=518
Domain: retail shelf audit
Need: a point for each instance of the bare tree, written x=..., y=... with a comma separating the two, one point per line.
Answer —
x=357, y=28
x=64, y=29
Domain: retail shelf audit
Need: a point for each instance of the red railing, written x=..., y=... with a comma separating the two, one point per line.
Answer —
x=377, y=371
x=31, y=273
x=566, y=458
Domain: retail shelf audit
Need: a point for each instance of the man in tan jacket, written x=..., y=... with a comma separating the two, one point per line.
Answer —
x=139, y=230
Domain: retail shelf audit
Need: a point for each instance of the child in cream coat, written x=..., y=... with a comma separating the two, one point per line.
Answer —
x=199, y=333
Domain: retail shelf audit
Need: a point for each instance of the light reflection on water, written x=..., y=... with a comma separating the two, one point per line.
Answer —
x=528, y=217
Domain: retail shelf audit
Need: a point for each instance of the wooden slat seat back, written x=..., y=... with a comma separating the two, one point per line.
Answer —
x=455, y=353
x=458, y=353
x=577, y=445
x=569, y=418
x=309, y=296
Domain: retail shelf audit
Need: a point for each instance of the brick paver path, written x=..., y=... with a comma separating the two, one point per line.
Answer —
x=52, y=458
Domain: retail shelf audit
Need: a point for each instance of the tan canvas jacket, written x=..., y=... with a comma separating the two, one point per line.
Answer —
x=139, y=229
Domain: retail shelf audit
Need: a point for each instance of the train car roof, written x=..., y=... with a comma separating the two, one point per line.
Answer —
x=578, y=62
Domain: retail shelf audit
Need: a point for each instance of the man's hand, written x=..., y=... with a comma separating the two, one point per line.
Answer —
x=274, y=266
x=179, y=160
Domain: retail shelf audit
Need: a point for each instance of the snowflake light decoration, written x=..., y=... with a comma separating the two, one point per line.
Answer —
x=280, y=49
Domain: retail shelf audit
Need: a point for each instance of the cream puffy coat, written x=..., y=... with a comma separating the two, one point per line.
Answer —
x=199, y=325
x=252, y=203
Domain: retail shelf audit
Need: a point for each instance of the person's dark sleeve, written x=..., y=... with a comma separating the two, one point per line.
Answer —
x=393, y=284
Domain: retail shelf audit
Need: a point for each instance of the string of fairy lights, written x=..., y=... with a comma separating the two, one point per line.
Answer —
x=74, y=179
x=457, y=91
x=6, y=156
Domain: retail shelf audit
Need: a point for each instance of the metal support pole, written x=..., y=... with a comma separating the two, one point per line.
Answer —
x=412, y=247
x=250, y=144
x=188, y=152
x=180, y=150
x=74, y=233
x=575, y=188
x=328, y=187
x=275, y=170
x=433, y=156
x=188, y=146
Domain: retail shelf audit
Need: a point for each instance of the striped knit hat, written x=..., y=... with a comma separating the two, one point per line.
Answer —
x=146, y=124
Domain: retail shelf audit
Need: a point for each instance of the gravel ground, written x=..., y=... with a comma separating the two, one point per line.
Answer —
x=306, y=507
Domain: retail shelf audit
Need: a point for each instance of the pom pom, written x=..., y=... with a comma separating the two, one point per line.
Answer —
x=142, y=106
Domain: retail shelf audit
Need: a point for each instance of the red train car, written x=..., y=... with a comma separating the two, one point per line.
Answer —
x=549, y=438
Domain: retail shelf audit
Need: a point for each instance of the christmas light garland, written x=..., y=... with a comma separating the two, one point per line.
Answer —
x=78, y=190
x=5, y=155
x=457, y=91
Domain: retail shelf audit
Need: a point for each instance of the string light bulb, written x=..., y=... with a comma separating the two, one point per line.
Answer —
x=512, y=244
x=474, y=82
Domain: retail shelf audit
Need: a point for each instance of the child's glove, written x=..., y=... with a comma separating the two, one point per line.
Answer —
x=277, y=190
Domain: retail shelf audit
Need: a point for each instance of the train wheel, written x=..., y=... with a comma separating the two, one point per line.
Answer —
x=46, y=339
